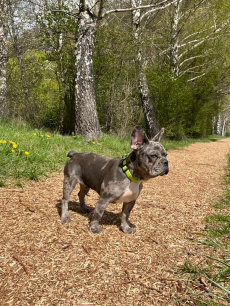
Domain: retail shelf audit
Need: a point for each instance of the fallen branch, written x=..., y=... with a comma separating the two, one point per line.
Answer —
x=67, y=246
x=86, y=249
x=21, y=263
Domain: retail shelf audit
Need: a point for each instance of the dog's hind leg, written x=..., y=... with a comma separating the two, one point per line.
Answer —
x=68, y=186
x=82, y=193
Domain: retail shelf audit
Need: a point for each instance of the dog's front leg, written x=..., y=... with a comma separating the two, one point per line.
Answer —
x=98, y=212
x=126, y=209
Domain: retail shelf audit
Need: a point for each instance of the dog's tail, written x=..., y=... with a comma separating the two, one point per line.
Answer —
x=71, y=153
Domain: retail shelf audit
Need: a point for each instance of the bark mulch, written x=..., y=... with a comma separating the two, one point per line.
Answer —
x=45, y=262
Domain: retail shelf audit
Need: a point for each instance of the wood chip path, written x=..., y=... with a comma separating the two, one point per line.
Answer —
x=45, y=262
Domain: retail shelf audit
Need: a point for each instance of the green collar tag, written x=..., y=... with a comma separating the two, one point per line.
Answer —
x=127, y=172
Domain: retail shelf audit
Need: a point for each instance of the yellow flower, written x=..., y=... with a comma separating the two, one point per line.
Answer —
x=12, y=151
x=42, y=135
x=4, y=141
x=13, y=144
x=98, y=143
x=93, y=142
x=27, y=153
x=48, y=136
x=35, y=134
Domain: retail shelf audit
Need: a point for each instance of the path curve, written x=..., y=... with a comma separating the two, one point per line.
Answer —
x=45, y=262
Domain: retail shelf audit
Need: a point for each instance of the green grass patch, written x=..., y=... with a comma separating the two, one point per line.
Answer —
x=218, y=225
x=29, y=154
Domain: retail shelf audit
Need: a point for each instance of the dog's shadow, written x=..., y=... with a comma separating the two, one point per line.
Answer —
x=108, y=218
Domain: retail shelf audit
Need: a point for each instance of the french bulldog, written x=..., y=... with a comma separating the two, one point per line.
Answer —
x=117, y=180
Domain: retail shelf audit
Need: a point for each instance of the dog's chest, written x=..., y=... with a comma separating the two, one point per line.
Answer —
x=130, y=193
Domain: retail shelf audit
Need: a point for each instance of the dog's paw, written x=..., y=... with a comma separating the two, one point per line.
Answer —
x=127, y=229
x=93, y=228
x=130, y=230
x=65, y=219
x=85, y=210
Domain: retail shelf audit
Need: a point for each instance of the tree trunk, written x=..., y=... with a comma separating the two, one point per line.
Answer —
x=174, y=58
x=223, y=131
x=87, y=122
x=3, y=58
x=213, y=125
x=218, y=125
x=62, y=85
x=147, y=106
x=146, y=102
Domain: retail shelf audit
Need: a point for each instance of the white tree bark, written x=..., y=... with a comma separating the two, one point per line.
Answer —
x=137, y=19
x=213, y=125
x=174, y=56
x=223, y=131
x=181, y=49
x=146, y=102
x=86, y=122
x=147, y=105
x=3, y=58
x=218, y=125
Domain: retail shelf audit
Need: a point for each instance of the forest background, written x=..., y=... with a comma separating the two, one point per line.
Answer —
x=154, y=63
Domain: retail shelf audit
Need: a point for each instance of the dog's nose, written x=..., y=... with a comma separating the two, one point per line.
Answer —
x=165, y=162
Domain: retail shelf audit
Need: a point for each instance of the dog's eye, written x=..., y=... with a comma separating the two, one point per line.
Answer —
x=154, y=156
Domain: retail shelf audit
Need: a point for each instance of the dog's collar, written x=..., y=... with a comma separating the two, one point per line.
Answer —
x=127, y=172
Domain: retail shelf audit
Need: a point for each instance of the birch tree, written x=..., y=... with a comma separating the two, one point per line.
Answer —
x=90, y=11
x=3, y=57
x=138, y=17
x=192, y=26
x=86, y=122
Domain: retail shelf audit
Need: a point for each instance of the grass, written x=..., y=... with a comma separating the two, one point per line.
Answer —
x=30, y=154
x=210, y=276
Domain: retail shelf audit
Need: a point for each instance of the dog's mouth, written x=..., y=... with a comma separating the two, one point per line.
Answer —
x=165, y=173
x=159, y=172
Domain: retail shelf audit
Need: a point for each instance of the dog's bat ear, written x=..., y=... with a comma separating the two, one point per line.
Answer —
x=138, y=138
x=158, y=136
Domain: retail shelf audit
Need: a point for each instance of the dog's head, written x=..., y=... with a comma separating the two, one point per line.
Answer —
x=150, y=155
